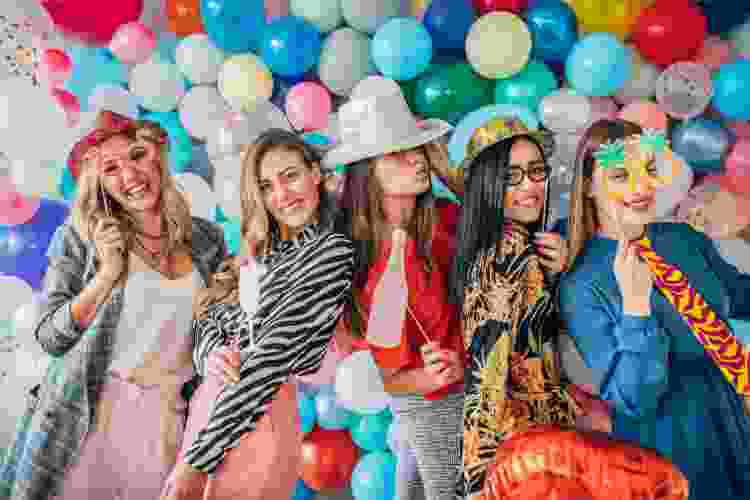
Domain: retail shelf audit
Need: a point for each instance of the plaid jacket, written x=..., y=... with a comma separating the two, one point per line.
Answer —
x=62, y=409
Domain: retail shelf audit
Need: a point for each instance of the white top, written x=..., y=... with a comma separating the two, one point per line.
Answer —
x=156, y=316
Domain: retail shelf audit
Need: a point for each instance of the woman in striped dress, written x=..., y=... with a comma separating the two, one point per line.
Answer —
x=286, y=220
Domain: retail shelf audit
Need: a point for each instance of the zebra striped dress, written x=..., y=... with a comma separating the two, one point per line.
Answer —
x=302, y=296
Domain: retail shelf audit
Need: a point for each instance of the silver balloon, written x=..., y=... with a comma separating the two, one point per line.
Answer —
x=564, y=111
x=229, y=138
x=345, y=60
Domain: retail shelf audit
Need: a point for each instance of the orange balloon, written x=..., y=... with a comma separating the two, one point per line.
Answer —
x=184, y=17
x=328, y=459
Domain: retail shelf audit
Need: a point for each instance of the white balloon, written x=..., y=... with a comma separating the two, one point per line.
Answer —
x=32, y=125
x=34, y=178
x=359, y=385
x=15, y=293
x=199, y=59
x=114, y=98
x=228, y=139
x=642, y=85
x=198, y=194
x=158, y=84
x=345, y=60
x=325, y=15
x=736, y=252
x=203, y=111
x=564, y=111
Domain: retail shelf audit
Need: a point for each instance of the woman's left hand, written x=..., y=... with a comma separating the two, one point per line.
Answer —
x=553, y=252
x=186, y=483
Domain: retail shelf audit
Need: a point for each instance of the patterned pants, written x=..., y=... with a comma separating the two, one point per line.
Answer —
x=432, y=430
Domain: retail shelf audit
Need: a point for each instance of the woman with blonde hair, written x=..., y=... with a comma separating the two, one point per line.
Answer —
x=281, y=312
x=121, y=279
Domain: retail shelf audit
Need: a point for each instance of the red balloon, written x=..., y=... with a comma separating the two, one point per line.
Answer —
x=76, y=18
x=486, y=6
x=670, y=31
x=328, y=459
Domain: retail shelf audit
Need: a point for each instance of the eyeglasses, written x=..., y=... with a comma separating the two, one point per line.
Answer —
x=538, y=173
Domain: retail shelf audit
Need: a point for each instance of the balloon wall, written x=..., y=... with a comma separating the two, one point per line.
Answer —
x=216, y=73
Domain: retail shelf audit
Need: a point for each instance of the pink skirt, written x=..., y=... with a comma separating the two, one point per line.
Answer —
x=267, y=463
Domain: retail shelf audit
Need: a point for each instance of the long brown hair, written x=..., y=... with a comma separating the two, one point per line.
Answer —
x=583, y=221
x=256, y=225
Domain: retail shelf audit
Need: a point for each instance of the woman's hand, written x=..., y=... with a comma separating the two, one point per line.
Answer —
x=110, y=246
x=553, y=252
x=224, y=363
x=444, y=366
x=186, y=483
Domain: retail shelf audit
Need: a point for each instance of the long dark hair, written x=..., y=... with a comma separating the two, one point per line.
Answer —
x=482, y=214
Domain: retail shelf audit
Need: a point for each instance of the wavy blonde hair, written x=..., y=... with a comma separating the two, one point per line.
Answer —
x=87, y=208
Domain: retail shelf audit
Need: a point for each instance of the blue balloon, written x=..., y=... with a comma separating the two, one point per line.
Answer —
x=23, y=248
x=201, y=164
x=554, y=30
x=598, y=65
x=371, y=432
x=302, y=492
x=180, y=143
x=331, y=416
x=167, y=45
x=703, y=143
x=66, y=185
x=290, y=46
x=232, y=234
x=374, y=477
x=401, y=49
x=741, y=329
x=307, y=412
x=448, y=22
x=732, y=90
x=722, y=16
x=92, y=67
x=234, y=25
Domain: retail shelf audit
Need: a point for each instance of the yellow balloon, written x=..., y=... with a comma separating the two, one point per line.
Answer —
x=245, y=80
x=609, y=16
x=498, y=45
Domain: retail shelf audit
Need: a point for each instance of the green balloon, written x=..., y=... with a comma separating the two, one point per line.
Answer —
x=449, y=92
x=408, y=88
x=528, y=87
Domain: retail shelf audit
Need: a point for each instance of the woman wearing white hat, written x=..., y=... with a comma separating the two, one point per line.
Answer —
x=404, y=241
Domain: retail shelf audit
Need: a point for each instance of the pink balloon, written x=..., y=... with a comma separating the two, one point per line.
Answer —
x=91, y=23
x=741, y=129
x=646, y=114
x=737, y=167
x=55, y=67
x=602, y=108
x=15, y=208
x=715, y=52
x=133, y=43
x=308, y=105
x=70, y=104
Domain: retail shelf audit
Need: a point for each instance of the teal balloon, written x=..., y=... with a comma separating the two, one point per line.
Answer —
x=401, y=49
x=371, y=432
x=67, y=186
x=307, y=413
x=374, y=477
x=180, y=143
x=599, y=65
x=93, y=67
x=232, y=234
x=331, y=415
x=732, y=90
x=741, y=329
x=450, y=92
x=528, y=87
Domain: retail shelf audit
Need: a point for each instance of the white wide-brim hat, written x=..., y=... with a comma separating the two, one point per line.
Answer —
x=377, y=121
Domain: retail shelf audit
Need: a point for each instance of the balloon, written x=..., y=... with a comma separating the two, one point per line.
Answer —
x=609, y=16
x=486, y=6
x=244, y=80
x=22, y=253
x=184, y=17
x=307, y=412
x=740, y=38
x=331, y=414
x=724, y=16
x=114, y=98
x=95, y=26
x=371, y=432
x=198, y=193
x=737, y=167
x=180, y=144
x=703, y=143
x=646, y=114
x=565, y=111
x=554, y=30
x=201, y=166
x=598, y=65
x=528, y=87
x=328, y=459
x=243, y=128
x=158, y=84
x=290, y=46
x=133, y=43
x=714, y=53
x=235, y=26
x=601, y=108
x=199, y=59
x=374, y=476
x=368, y=16
x=642, y=83
x=498, y=45
x=668, y=32
x=450, y=92
x=402, y=49
x=302, y=492
x=202, y=111
x=732, y=90
x=55, y=67
x=359, y=385
x=68, y=103
x=232, y=235
x=345, y=60
x=684, y=89
x=308, y=105
x=448, y=22
x=725, y=214
x=735, y=252
x=325, y=15
x=15, y=207
x=676, y=190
